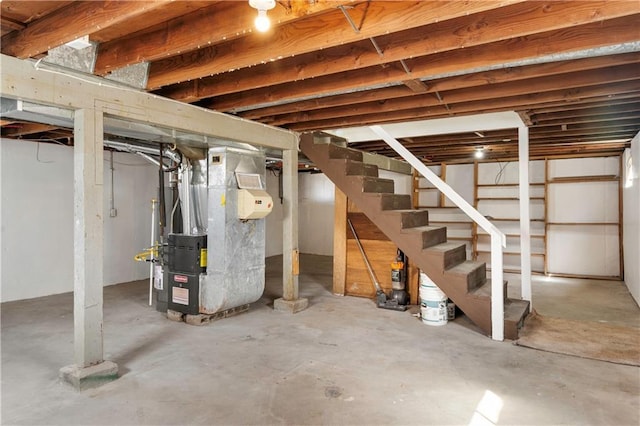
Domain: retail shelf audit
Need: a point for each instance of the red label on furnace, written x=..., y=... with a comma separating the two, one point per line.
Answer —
x=180, y=278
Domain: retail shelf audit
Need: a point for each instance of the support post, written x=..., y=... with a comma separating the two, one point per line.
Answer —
x=290, y=302
x=89, y=369
x=525, y=225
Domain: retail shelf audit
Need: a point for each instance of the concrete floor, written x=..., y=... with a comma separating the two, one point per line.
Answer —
x=341, y=361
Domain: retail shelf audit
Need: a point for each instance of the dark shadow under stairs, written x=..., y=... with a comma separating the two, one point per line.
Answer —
x=464, y=281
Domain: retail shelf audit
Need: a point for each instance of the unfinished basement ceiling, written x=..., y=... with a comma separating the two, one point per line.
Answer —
x=569, y=68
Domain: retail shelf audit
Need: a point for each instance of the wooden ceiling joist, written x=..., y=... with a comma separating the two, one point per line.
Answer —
x=71, y=22
x=612, y=32
x=502, y=90
x=568, y=66
x=204, y=27
x=474, y=30
x=565, y=96
x=321, y=32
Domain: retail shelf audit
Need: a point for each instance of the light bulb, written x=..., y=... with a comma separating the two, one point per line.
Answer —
x=262, y=21
x=479, y=153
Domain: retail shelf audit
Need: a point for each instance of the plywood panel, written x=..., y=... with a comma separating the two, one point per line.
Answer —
x=380, y=255
x=583, y=202
x=365, y=229
x=460, y=178
x=508, y=172
x=584, y=250
x=510, y=209
x=584, y=167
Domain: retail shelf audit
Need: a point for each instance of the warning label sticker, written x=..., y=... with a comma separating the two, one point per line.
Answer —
x=180, y=278
x=180, y=295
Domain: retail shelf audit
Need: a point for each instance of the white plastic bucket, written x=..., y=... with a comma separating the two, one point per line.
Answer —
x=433, y=302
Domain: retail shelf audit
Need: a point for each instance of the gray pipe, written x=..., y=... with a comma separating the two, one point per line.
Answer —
x=132, y=148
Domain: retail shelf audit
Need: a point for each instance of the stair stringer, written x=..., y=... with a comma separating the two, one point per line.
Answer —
x=455, y=285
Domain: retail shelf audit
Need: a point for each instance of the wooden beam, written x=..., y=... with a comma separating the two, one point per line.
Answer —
x=71, y=22
x=339, y=243
x=222, y=22
x=469, y=80
x=11, y=24
x=511, y=51
x=23, y=129
x=324, y=31
x=618, y=108
x=152, y=19
x=488, y=91
x=488, y=105
x=516, y=20
x=27, y=11
x=21, y=80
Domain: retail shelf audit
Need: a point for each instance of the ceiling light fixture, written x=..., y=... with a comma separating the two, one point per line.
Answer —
x=262, y=22
x=479, y=152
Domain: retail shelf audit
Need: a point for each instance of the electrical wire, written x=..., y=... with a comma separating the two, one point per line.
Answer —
x=500, y=173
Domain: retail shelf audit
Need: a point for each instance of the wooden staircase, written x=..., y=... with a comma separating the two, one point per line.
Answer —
x=464, y=281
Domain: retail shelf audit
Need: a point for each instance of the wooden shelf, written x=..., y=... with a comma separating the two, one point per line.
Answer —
x=505, y=219
x=450, y=221
x=508, y=198
x=580, y=179
x=512, y=253
x=494, y=185
x=583, y=223
x=484, y=234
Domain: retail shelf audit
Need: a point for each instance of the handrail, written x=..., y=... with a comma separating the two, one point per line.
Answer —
x=498, y=238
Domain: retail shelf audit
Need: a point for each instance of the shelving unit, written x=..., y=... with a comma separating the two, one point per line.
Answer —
x=499, y=201
x=459, y=226
x=503, y=196
x=577, y=180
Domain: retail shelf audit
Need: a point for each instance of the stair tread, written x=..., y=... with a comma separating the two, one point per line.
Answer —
x=422, y=228
x=465, y=267
x=514, y=309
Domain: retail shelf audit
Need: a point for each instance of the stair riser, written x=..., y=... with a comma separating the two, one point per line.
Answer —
x=370, y=184
x=473, y=279
x=434, y=237
x=414, y=219
x=361, y=169
x=337, y=152
x=477, y=277
x=395, y=202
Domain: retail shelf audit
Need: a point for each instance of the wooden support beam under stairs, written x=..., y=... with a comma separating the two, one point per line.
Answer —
x=445, y=262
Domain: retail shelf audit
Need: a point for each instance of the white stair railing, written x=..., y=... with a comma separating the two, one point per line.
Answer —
x=498, y=239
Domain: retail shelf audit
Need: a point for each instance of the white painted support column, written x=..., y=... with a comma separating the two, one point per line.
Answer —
x=525, y=223
x=89, y=368
x=290, y=302
x=88, y=237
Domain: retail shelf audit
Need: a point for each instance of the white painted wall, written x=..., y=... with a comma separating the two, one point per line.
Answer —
x=315, y=210
x=274, y=219
x=631, y=217
x=36, y=219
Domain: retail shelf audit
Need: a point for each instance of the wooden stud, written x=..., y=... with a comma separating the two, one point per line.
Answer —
x=339, y=242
